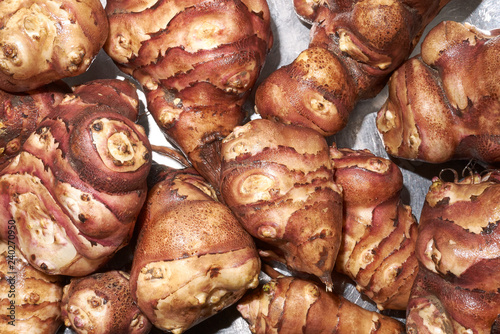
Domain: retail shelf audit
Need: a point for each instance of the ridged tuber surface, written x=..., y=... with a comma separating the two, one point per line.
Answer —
x=77, y=186
x=20, y=114
x=458, y=248
x=278, y=180
x=197, y=61
x=30, y=301
x=193, y=258
x=354, y=46
x=291, y=305
x=445, y=103
x=101, y=304
x=379, y=231
x=42, y=41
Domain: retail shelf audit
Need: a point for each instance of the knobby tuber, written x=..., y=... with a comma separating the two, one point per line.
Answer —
x=42, y=41
x=197, y=61
x=458, y=248
x=30, y=301
x=20, y=114
x=379, y=232
x=354, y=47
x=193, y=258
x=77, y=186
x=278, y=180
x=291, y=305
x=445, y=103
x=101, y=303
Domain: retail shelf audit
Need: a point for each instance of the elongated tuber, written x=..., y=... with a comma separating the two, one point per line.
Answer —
x=101, y=303
x=458, y=248
x=30, y=301
x=197, y=62
x=379, y=232
x=278, y=180
x=354, y=47
x=193, y=258
x=291, y=305
x=445, y=103
x=42, y=41
x=77, y=186
x=20, y=114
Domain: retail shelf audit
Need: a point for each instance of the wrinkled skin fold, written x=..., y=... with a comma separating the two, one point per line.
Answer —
x=77, y=186
x=291, y=305
x=193, y=258
x=197, y=61
x=444, y=103
x=379, y=232
x=278, y=180
x=354, y=47
x=458, y=249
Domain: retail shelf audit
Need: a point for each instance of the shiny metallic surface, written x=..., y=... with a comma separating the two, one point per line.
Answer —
x=291, y=36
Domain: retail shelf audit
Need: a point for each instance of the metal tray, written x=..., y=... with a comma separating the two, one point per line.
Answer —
x=291, y=36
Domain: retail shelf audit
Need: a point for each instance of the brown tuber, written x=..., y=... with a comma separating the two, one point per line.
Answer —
x=193, y=258
x=100, y=304
x=291, y=305
x=30, y=301
x=278, y=180
x=197, y=62
x=77, y=186
x=379, y=231
x=445, y=103
x=20, y=114
x=458, y=249
x=354, y=47
x=42, y=41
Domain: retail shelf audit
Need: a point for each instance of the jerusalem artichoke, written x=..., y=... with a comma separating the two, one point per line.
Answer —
x=291, y=305
x=101, y=304
x=458, y=249
x=76, y=187
x=278, y=180
x=30, y=301
x=193, y=258
x=379, y=231
x=197, y=62
x=354, y=47
x=42, y=41
x=20, y=114
x=445, y=103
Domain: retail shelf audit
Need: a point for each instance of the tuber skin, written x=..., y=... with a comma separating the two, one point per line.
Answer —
x=42, y=41
x=20, y=114
x=102, y=304
x=278, y=180
x=76, y=188
x=353, y=48
x=444, y=103
x=197, y=62
x=192, y=258
x=30, y=301
x=292, y=305
x=379, y=231
x=458, y=249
